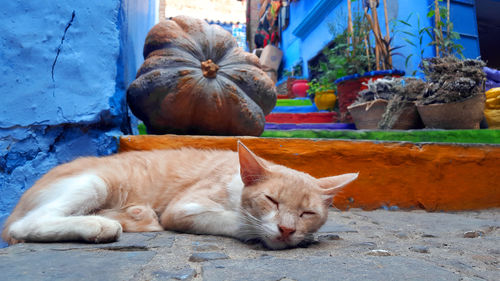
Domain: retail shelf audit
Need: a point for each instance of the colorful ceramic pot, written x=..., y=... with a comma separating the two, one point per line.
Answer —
x=299, y=88
x=325, y=100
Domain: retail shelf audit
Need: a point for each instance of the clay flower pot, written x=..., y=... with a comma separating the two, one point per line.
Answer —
x=348, y=88
x=465, y=114
x=299, y=88
x=409, y=118
x=367, y=115
x=325, y=100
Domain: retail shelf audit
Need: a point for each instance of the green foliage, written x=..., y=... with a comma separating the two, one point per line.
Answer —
x=444, y=36
x=357, y=56
x=319, y=85
x=346, y=59
x=297, y=69
x=417, y=37
x=142, y=129
x=287, y=73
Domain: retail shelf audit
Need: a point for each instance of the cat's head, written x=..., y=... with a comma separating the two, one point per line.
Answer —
x=282, y=207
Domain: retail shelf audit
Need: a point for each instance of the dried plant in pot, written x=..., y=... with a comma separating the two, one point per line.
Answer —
x=387, y=104
x=454, y=97
x=401, y=112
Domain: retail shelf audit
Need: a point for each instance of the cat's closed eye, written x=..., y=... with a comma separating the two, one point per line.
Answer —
x=307, y=213
x=273, y=201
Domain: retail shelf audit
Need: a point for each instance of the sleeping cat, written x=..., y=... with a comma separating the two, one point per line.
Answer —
x=226, y=193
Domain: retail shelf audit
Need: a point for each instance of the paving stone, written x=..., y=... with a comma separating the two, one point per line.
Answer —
x=165, y=255
x=402, y=235
x=76, y=264
x=162, y=240
x=200, y=257
x=379, y=252
x=420, y=249
x=328, y=237
x=473, y=234
x=331, y=226
x=325, y=268
x=204, y=247
x=127, y=242
x=187, y=273
x=494, y=251
x=369, y=245
x=266, y=256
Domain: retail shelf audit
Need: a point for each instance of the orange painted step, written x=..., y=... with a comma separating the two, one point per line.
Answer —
x=298, y=118
x=434, y=177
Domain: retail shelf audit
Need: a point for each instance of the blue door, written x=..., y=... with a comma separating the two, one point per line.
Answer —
x=463, y=16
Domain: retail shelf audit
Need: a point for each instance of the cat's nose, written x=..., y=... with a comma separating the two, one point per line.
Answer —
x=285, y=231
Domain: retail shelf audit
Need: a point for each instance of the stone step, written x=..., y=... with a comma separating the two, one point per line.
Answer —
x=430, y=176
x=295, y=109
x=415, y=136
x=312, y=117
x=294, y=102
x=309, y=126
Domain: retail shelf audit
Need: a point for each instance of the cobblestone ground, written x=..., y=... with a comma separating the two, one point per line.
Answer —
x=353, y=245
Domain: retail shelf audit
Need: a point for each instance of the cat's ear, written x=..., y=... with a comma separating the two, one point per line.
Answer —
x=332, y=185
x=252, y=169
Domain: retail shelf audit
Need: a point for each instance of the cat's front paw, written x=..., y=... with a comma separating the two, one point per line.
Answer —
x=103, y=230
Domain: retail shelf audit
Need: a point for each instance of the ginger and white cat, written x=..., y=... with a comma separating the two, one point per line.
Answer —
x=227, y=193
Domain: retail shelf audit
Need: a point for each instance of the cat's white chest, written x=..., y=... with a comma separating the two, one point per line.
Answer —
x=215, y=218
x=234, y=190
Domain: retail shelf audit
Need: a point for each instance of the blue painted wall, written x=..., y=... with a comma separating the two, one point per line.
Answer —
x=65, y=66
x=300, y=46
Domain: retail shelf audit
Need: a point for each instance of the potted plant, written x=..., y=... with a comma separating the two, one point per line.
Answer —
x=362, y=62
x=454, y=97
x=388, y=104
x=322, y=93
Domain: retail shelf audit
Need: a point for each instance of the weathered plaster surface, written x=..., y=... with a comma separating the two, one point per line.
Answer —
x=65, y=66
x=59, y=61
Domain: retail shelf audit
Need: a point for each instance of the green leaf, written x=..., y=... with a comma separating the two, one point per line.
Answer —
x=405, y=23
x=409, y=34
x=409, y=42
x=408, y=58
x=430, y=14
x=429, y=33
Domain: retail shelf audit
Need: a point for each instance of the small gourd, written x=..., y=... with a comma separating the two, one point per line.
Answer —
x=196, y=80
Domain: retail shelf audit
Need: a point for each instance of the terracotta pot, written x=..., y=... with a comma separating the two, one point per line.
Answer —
x=409, y=118
x=367, y=115
x=299, y=88
x=466, y=114
x=325, y=100
x=348, y=88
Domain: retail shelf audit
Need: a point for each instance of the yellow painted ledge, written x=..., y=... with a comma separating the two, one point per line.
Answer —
x=435, y=177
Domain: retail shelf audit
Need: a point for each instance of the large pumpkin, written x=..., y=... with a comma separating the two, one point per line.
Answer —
x=196, y=80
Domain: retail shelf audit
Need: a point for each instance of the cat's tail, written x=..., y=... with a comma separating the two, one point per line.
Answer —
x=16, y=214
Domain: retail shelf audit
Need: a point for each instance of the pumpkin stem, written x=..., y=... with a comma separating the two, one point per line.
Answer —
x=209, y=68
